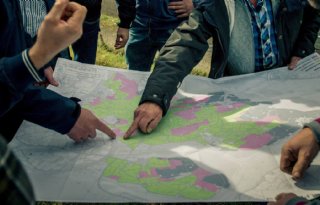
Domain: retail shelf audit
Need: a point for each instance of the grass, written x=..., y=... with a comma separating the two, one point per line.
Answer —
x=110, y=57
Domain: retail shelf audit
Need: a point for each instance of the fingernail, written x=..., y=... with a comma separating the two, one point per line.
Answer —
x=149, y=130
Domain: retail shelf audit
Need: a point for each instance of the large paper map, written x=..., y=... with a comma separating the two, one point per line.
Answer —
x=220, y=141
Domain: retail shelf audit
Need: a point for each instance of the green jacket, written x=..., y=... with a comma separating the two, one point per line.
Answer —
x=296, y=34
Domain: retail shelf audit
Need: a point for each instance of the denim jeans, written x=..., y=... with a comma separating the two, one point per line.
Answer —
x=85, y=49
x=143, y=45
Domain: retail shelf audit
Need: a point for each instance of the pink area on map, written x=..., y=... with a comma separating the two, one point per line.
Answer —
x=268, y=119
x=188, y=114
x=208, y=186
x=128, y=86
x=188, y=129
x=118, y=132
x=143, y=174
x=256, y=141
x=226, y=108
x=111, y=97
x=122, y=122
x=95, y=101
x=175, y=163
x=201, y=174
x=114, y=177
x=154, y=172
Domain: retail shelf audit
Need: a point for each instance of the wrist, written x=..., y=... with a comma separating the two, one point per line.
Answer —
x=38, y=57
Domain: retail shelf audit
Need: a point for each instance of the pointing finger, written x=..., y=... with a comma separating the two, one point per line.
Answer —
x=105, y=129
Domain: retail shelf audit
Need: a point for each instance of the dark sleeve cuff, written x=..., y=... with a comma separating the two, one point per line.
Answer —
x=18, y=72
x=315, y=127
x=160, y=99
x=297, y=200
x=124, y=24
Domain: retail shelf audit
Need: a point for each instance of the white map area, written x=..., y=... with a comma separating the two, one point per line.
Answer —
x=205, y=165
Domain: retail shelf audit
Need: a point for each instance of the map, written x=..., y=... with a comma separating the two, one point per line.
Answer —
x=220, y=140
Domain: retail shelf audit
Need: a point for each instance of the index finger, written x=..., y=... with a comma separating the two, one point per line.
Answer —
x=133, y=127
x=286, y=160
x=105, y=129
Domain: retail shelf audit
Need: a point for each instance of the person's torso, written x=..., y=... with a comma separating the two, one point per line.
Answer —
x=241, y=51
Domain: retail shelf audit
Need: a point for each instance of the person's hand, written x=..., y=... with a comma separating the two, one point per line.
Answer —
x=298, y=153
x=282, y=198
x=60, y=28
x=86, y=127
x=182, y=8
x=146, y=118
x=122, y=38
x=293, y=62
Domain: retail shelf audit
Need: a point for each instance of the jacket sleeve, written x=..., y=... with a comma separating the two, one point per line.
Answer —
x=126, y=12
x=315, y=127
x=48, y=109
x=16, y=74
x=308, y=34
x=38, y=105
x=183, y=50
x=300, y=200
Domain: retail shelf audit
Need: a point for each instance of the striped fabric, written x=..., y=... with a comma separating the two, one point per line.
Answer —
x=33, y=13
x=33, y=71
x=266, y=51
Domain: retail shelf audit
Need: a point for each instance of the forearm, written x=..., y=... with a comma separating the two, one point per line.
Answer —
x=126, y=12
x=183, y=50
x=300, y=200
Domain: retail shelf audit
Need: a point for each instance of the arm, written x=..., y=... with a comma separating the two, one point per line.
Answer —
x=183, y=50
x=292, y=199
x=127, y=13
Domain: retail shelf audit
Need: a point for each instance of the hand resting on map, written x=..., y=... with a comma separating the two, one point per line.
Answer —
x=298, y=153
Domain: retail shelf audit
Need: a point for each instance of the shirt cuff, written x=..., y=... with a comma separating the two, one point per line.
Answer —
x=29, y=65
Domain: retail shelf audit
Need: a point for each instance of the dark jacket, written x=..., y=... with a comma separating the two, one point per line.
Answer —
x=296, y=34
x=153, y=14
x=19, y=99
x=93, y=7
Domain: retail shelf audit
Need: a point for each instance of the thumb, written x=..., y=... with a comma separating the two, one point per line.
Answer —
x=58, y=9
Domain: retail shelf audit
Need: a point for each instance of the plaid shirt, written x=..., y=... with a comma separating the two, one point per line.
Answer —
x=33, y=13
x=260, y=62
x=15, y=185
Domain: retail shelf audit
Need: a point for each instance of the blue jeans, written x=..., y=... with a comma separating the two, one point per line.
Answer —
x=143, y=45
x=85, y=49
